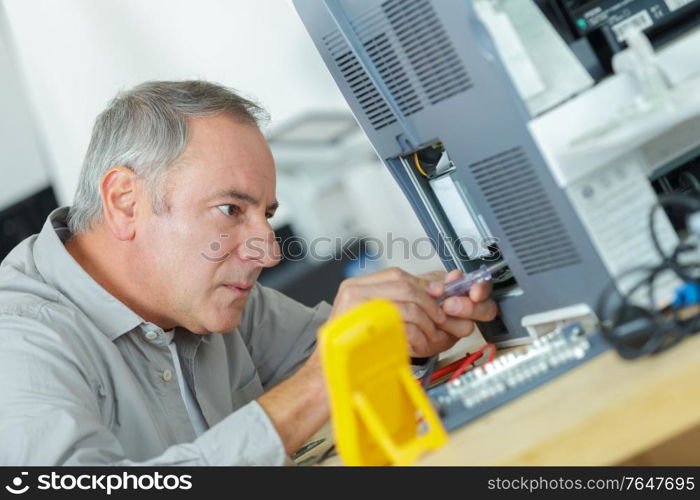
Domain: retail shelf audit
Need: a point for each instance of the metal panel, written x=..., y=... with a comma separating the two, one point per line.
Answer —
x=525, y=213
x=483, y=127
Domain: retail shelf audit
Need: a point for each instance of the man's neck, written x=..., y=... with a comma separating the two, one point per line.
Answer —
x=110, y=268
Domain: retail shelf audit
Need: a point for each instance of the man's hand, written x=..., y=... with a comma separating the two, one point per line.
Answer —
x=299, y=406
x=431, y=328
x=463, y=311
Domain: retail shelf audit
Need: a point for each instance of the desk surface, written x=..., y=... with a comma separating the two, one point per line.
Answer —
x=606, y=412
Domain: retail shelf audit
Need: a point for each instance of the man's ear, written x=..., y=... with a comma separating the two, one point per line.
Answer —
x=119, y=191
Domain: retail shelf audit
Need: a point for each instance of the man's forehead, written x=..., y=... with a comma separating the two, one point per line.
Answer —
x=235, y=164
x=223, y=135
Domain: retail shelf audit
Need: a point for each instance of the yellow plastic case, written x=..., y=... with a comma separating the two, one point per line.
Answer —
x=381, y=415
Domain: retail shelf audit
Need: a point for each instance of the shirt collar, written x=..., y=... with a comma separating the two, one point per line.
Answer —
x=168, y=335
x=63, y=273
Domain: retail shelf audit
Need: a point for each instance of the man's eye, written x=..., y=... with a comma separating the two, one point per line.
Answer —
x=230, y=209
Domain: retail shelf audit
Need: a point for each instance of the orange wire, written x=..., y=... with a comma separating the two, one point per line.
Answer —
x=415, y=160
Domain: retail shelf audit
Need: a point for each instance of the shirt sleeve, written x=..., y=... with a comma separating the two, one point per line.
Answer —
x=49, y=412
x=280, y=333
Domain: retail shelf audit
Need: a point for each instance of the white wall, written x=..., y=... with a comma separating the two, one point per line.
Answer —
x=76, y=54
x=22, y=167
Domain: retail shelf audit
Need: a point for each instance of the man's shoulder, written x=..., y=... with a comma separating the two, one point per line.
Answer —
x=22, y=289
x=34, y=327
x=21, y=310
x=32, y=306
x=27, y=303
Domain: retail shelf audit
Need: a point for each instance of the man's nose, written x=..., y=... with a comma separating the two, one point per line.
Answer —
x=261, y=246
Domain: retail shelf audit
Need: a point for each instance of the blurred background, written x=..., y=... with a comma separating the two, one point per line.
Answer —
x=62, y=61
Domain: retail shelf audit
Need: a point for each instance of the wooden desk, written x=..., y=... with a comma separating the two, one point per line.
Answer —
x=606, y=412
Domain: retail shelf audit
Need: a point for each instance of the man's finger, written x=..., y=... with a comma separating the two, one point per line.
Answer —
x=421, y=347
x=453, y=275
x=463, y=307
x=404, y=291
x=481, y=291
x=413, y=314
x=387, y=275
x=458, y=327
x=444, y=341
x=418, y=344
x=433, y=276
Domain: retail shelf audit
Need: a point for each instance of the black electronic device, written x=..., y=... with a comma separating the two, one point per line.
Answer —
x=595, y=29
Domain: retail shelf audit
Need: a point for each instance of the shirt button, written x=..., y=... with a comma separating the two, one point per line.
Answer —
x=151, y=335
x=167, y=375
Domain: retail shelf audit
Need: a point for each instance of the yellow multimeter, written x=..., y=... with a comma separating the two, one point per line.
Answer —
x=381, y=415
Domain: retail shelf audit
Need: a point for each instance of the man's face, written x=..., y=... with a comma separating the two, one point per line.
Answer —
x=206, y=250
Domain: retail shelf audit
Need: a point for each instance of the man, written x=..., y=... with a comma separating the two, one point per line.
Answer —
x=132, y=330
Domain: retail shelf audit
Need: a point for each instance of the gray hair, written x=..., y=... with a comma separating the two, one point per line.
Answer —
x=146, y=129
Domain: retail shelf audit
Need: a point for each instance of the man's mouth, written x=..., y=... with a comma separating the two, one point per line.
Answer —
x=239, y=288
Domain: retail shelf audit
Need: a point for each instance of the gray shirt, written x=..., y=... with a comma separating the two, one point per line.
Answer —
x=85, y=381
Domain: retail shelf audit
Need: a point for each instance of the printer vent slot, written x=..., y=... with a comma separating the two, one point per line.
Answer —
x=428, y=49
x=409, y=48
x=524, y=212
x=368, y=97
x=372, y=30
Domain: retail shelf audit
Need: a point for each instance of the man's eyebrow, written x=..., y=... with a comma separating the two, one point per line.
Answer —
x=232, y=193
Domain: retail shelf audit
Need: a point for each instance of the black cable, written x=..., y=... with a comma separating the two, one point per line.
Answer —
x=686, y=202
x=429, y=370
x=635, y=330
x=330, y=452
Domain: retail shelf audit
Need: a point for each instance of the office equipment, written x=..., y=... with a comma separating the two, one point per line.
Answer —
x=483, y=389
x=519, y=134
x=607, y=411
x=555, y=179
x=594, y=29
